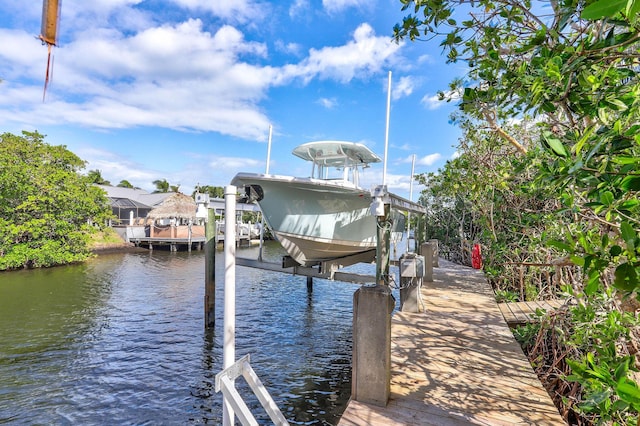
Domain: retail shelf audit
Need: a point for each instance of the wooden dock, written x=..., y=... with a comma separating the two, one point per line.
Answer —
x=457, y=363
x=518, y=313
x=177, y=244
x=174, y=244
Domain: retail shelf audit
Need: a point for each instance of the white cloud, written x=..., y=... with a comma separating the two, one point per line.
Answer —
x=218, y=170
x=328, y=103
x=176, y=76
x=404, y=87
x=404, y=147
x=433, y=102
x=191, y=79
x=428, y=160
x=288, y=48
x=299, y=8
x=239, y=10
x=336, y=6
x=364, y=55
x=425, y=59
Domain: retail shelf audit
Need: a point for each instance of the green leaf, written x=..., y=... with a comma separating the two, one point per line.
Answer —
x=603, y=9
x=560, y=245
x=606, y=198
x=625, y=160
x=615, y=250
x=577, y=368
x=629, y=204
x=626, y=277
x=621, y=371
x=554, y=143
x=593, y=284
x=577, y=260
x=630, y=183
x=628, y=390
x=632, y=9
x=627, y=232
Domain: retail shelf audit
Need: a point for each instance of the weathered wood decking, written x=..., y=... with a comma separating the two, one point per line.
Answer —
x=457, y=363
x=517, y=313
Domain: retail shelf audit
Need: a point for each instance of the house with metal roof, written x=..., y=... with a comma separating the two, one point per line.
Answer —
x=132, y=205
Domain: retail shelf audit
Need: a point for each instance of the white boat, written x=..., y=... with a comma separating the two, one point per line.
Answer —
x=324, y=216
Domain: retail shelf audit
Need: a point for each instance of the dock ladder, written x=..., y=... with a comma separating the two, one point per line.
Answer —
x=225, y=383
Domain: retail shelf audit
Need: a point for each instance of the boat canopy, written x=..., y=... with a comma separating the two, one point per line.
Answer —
x=336, y=154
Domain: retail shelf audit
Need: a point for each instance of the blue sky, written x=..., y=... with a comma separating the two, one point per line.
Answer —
x=185, y=90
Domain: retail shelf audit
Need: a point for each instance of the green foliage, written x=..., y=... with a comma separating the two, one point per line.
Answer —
x=574, y=177
x=213, y=191
x=503, y=296
x=95, y=176
x=162, y=185
x=46, y=207
x=526, y=334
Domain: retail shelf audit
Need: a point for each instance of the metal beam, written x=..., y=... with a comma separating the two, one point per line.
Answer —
x=307, y=272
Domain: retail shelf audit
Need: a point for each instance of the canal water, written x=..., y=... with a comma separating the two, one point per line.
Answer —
x=120, y=340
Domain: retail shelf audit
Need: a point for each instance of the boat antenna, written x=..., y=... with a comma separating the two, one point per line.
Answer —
x=269, y=149
x=266, y=172
x=386, y=136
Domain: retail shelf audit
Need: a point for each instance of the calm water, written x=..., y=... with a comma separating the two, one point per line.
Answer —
x=120, y=340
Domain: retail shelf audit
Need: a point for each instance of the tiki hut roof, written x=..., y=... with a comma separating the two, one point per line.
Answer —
x=175, y=206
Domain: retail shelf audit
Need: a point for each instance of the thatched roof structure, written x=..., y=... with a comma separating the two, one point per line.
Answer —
x=177, y=206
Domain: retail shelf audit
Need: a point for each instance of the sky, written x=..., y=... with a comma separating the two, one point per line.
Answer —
x=186, y=90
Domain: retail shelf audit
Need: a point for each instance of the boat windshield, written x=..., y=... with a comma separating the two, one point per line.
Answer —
x=349, y=174
x=336, y=160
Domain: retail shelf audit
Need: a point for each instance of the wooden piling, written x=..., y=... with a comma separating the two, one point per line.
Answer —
x=372, y=308
x=210, y=271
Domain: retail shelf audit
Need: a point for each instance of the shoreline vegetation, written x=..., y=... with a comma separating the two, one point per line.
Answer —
x=108, y=241
x=546, y=180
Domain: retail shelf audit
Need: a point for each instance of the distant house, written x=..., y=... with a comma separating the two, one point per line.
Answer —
x=131, y=206
x=161, y=217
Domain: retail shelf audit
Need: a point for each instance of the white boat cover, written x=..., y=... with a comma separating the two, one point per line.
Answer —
x=336, y=153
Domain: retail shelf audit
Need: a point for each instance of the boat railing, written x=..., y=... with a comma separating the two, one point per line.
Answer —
x=225, y=383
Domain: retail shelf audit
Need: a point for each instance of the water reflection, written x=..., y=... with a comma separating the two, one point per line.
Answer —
x=120, y=339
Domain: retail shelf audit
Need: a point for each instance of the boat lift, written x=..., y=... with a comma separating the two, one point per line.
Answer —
x=330, y=269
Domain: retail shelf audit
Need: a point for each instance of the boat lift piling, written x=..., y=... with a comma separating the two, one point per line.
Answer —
x=225, y=380
x=229, y=342
x=210, y=270
x=372, y=308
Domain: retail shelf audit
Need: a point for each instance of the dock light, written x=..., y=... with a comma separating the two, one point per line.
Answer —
x=378, y=198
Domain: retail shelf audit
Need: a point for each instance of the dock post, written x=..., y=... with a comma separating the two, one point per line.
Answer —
x=411, y=275
x=229, y=338
x=372, y=308
x=434, y=243
x=309, y=284
x=371, y=364
x=210, y=270
x=426, y=249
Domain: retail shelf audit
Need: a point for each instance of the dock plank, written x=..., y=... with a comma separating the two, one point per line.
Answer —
x=457, y=363
x=517, y=313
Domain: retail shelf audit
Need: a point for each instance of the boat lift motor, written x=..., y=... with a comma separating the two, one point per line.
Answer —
x=411, y=276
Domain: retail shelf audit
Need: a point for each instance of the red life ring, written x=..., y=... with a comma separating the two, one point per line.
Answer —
x=476, y=257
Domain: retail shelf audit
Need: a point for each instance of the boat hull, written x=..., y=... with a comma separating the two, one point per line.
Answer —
x=315, y=220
